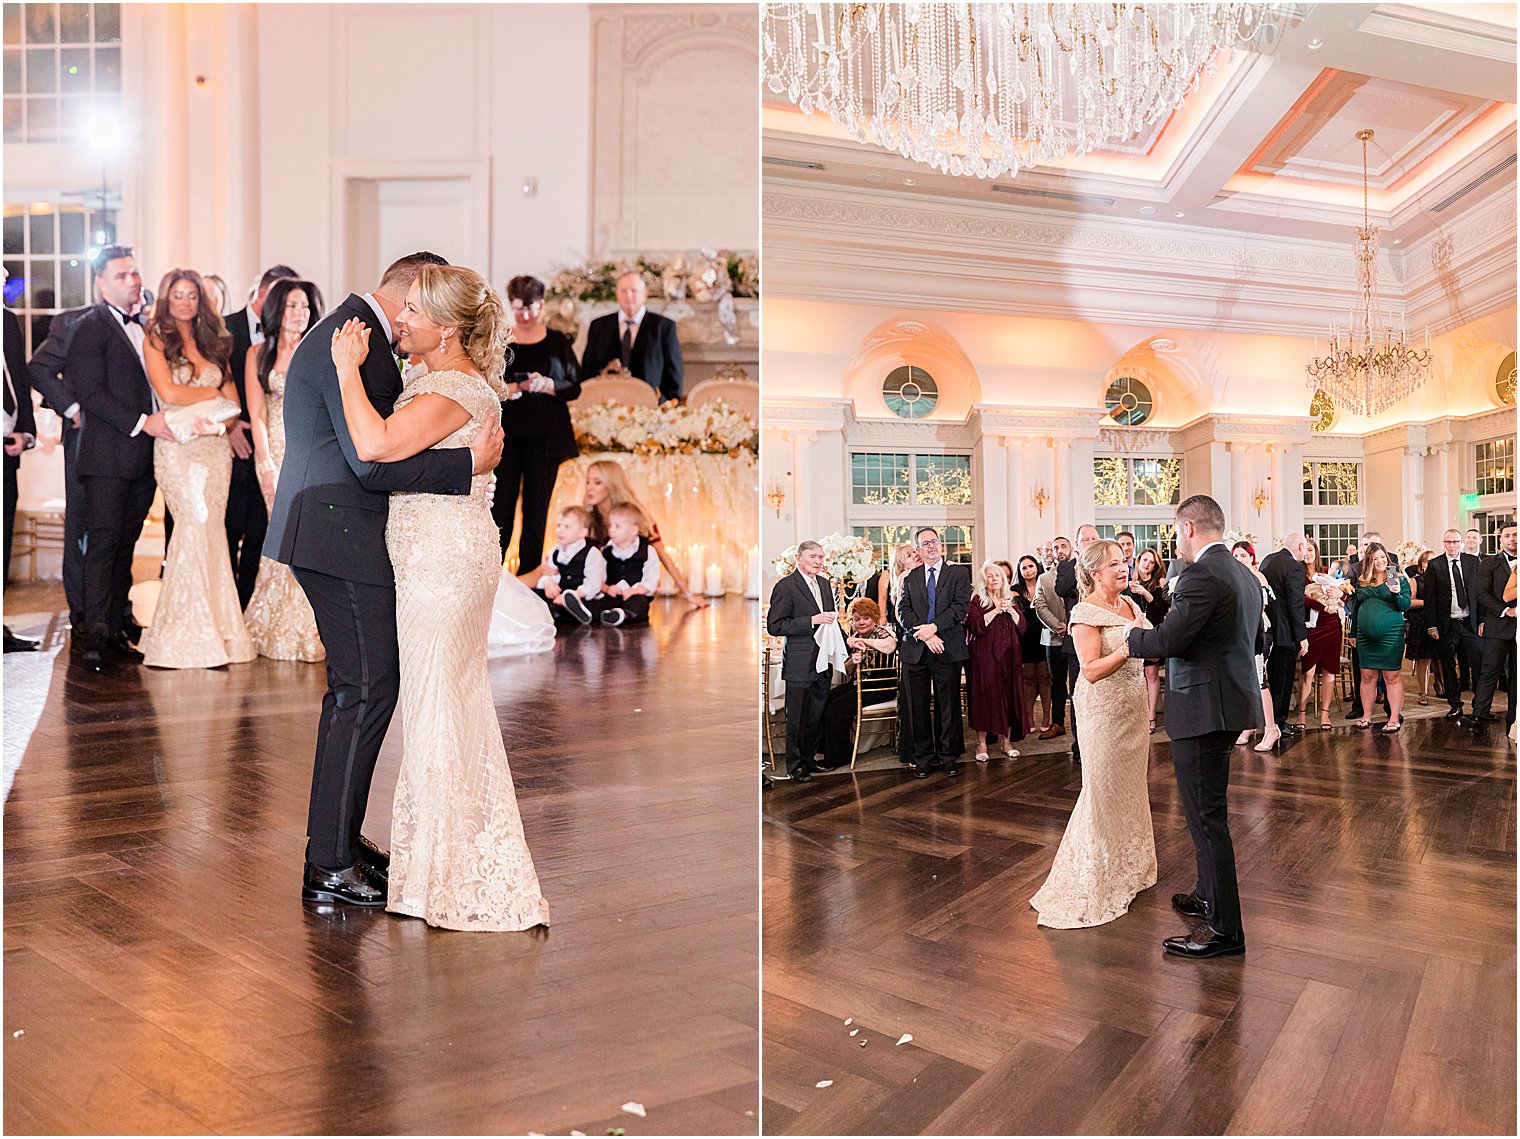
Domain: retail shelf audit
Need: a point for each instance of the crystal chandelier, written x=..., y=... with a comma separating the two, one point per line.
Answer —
x=1371, y=365
x=990, y=89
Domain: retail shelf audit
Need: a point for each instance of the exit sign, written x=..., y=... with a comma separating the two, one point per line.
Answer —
x=1469, y=501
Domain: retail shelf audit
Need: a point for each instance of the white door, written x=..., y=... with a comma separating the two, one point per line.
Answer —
x=391, y=217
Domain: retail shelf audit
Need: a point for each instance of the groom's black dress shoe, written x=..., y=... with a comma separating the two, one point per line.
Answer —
x=376, y=863
x=1190, y=906
x=15, y=644
x=118, y=646
x=951, y=770
x=1204, y=942
x=351, y=885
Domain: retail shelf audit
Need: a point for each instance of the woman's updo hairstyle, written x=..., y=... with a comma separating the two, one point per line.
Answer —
x=1092, y=559
x=452, y=294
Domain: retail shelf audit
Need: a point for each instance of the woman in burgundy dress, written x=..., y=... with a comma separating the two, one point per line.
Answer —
x=995, y=695
x=1325, y=597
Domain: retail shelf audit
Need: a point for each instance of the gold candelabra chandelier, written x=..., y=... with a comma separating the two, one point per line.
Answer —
x=1370, y=365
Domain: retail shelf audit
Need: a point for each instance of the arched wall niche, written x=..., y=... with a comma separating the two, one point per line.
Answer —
x=907, y=339
x=1175, y=370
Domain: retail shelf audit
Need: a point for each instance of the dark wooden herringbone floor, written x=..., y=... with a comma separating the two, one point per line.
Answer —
x=1377, y=994
x=163, y=976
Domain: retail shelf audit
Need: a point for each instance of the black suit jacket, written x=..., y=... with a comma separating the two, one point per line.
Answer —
x=1438, y=587
x=545, y=415
x=952, y=597
x=238, y=323
x=656, y=356
x=107, y=377
x=1493, y=575
x=1066, y=590
x=1209, y=642
x=791, y=616
x=50, y=359
x=1287, y=576
x=15, y=364
x=330, y=507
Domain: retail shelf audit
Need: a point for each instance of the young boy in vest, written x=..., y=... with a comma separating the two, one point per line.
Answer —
x=632, y=569
x=573, y=571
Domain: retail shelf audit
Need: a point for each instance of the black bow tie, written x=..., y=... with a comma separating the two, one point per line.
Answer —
x=137, y=320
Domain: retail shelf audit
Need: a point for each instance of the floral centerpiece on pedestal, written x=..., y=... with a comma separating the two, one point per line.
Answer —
x=1409, y=551
x=847, y=561
x=712, y=428
x=1233, y=536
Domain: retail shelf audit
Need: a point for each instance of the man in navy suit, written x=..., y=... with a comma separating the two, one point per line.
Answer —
x=644, y=342
x=328, y=525
x=932, y=615
x=1212, y=694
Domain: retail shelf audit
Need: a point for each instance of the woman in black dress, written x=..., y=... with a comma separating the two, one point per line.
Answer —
x=1036, y=671
x=1418, y=647
x=1149, y=592
x=543, y=377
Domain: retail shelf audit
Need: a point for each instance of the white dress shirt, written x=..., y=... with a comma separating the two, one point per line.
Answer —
x=651, y=578
x=137, y=336
x=1454, y=568
x=385, y=321
x=596, y=569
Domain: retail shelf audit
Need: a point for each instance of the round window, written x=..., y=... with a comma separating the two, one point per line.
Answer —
x=910, y=392
x=1128, y=401
x=1504, y=382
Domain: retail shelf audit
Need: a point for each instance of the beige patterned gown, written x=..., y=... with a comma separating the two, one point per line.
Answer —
x=280, y=619
x=1108, y=853
x=198, y=622
x=459, y=858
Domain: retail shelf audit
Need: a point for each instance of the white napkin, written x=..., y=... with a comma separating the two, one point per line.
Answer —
x=833, y=651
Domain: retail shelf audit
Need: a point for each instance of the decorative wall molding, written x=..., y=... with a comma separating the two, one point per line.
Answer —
x=1442, y=30
x=1291, y=431
x=789, y=414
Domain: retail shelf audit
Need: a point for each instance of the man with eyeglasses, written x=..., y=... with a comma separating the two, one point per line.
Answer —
x=1452, y=612
x=1496, y=628
x=932, y=613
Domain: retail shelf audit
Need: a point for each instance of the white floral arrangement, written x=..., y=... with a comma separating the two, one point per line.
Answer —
x=845, y=558
x=714, y=428
x=703, y=275
x=1233, y=536
x=1409, y=551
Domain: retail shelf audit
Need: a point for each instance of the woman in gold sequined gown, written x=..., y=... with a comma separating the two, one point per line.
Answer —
x=279, y=616
x=1108, y=853
x=459, y=858
x=197, y=622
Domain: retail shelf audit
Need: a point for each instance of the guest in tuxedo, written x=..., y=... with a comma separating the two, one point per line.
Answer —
x=1050, y=608
x=801, y=602
x=1497, y=629
x=120, y=421
x=544, y=377
x=20, y=435
x=328, y=524
x=1066, y=589
x=1209, y=640
x=1472, y=543
x=247, y=516
x=644, y=342
x=932, y=613
x=1285, y=573
x=1451, y=615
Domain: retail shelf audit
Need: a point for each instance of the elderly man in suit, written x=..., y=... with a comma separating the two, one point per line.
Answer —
x=1451, y=610
x=1496, y=627
x=644, y=342
x=1212, y=694
x=20, y=436
x=801, y=602
x=1285, y=572
x=932, y=615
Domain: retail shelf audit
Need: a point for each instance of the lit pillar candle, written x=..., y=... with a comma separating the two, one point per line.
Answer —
x=753, y=576
x=695, y=565
x=714, y=580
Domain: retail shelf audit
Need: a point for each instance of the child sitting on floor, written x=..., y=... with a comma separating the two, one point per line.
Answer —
x=573, y=571
x=633, y=569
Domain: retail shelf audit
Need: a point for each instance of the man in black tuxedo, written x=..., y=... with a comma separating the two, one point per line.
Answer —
x=1066, y=590
x=800, y=603
x=1286, y=573
x=932, y=615
x=119, y=421
x=1496, y=627
x=1212, y=694
x=20, y=435
x=328, y=525
x=1451, y=610
x=645, y=342
x=247, y=520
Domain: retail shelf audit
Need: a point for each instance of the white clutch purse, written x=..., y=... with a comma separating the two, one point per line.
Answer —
x=182, y=418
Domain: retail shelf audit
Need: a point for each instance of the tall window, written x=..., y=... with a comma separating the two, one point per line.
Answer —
x=1489, y=523
x=1495, y=463
x=892, y=494
x=1332, y=538
x=1138, y=495
x=1333, y=510
x=45, y=264
x=62, y=69
x=1332, y=483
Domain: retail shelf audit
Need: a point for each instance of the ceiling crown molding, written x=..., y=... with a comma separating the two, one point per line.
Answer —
x=1447, y=31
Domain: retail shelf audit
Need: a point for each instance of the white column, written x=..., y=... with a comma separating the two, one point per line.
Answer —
x=803, y=489
x=1079, y=470
x=989, y=462
x=1414, y=495
x=1015, y=454
x=1238, y=510
x=1060, y=489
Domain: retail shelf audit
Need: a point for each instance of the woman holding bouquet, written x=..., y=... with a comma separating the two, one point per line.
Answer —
x=1326, y=596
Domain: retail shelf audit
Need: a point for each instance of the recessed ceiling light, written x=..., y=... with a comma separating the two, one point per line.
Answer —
x=876, y=179
x=910, y=182
x=1147, y=211
x=1163, y=344
x=1316, y=43
x=1398, y=241
x=1179, y=214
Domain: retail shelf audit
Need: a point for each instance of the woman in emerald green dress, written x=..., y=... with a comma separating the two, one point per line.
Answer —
x=1382, y=599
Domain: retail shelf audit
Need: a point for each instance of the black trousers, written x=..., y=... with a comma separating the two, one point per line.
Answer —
x=1498, y=664
x=1056, y=658
x=12, y=464
x=115, y=511
x=526, y=471
x=1282, y=666
x=805, y=702
x=937, y=735
x=75, y=525
x=1073, y=674
x=357, y=623
x=635, y=609
x=1458, y=649
x=1203, y=780
x=247, y=523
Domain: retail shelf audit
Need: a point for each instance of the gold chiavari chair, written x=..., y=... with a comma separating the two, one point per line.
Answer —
x=876, y=688
x=772, y=706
